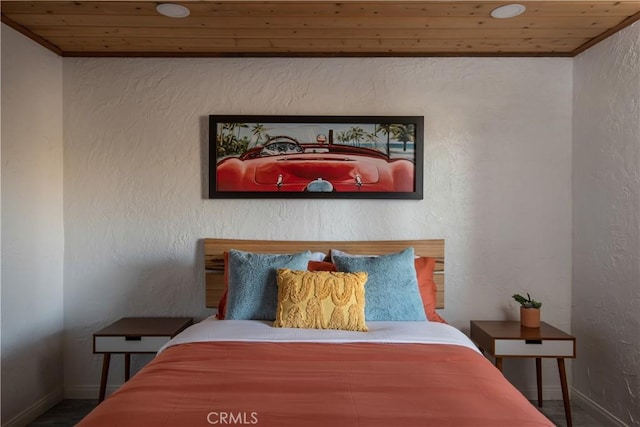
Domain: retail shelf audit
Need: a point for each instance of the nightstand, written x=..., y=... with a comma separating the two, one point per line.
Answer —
x=509, y=339
x=131, y=335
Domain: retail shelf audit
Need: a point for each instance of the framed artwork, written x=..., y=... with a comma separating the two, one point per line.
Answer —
x=318, y=157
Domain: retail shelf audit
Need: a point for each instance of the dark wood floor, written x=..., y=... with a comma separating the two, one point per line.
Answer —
x=66, y=413
x=70, y=412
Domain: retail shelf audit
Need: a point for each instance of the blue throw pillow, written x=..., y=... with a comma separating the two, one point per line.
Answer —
x=391, y=291
x=253, y=291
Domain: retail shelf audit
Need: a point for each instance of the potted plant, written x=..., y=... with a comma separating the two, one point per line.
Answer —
x=529, y=311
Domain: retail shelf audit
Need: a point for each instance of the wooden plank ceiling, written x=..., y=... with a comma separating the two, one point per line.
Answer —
x=318, y=28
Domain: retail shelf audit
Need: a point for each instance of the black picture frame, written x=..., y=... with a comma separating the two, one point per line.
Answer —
x=316, y=157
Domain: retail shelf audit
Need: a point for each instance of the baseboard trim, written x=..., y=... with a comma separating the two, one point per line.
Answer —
x=87, y=391
x=595, y=410
x=34, y=411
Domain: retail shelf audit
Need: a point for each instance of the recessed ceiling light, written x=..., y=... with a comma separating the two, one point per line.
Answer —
x=173, y=10
x=508, y=11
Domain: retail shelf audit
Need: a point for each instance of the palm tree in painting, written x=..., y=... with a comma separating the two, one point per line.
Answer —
x=343, y=136
x=259, y=131
x=225, y=139
x=357, y=135
x=240, y=126
x=404, y=134
x=229, y=141
x=388, y=129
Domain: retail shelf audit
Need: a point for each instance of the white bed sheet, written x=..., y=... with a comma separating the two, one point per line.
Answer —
x=212, y=329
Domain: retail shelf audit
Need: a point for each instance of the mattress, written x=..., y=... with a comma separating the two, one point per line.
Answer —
x=247, y=372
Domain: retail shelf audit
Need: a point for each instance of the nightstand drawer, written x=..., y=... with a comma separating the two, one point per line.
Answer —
x=551, y=348
x=137, y=344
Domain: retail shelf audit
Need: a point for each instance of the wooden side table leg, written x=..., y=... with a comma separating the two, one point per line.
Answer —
x=106, y=360
x=499, y=363
x=565, y=391
x=539, y=379
x=127, y=366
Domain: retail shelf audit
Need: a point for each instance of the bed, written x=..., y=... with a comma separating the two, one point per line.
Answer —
x=371, y=372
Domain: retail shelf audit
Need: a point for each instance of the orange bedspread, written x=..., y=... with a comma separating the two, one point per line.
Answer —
x=316, y=384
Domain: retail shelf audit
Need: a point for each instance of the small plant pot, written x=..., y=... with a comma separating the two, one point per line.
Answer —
x=530, y=317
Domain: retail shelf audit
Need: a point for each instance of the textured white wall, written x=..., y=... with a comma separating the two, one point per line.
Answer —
x=497, y=181
x=606, y=224
x=32, y=227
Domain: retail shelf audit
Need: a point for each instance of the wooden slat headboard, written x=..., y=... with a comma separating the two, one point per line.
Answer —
x=214, y=259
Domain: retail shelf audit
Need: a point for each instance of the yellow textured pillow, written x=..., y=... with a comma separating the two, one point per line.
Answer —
x=320, y=300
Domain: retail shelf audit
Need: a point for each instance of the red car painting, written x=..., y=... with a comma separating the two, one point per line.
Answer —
x=342, y=159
